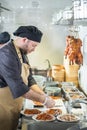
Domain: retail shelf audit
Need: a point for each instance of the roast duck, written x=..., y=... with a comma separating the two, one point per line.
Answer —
x=73, y=50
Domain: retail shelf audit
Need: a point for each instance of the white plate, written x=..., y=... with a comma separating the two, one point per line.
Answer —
x=63, y=120
x=28, y=115
x=35, y=116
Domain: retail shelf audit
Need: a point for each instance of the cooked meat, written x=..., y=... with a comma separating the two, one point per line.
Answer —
x=73, y=50
x=32, y=111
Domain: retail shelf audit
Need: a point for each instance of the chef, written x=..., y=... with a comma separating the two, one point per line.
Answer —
x=16, y=81
x=4, y=38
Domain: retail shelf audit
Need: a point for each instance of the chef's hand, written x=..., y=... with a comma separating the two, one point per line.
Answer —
x=49, y=102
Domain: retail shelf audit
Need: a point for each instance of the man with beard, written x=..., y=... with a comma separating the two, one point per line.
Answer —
x=16, y=81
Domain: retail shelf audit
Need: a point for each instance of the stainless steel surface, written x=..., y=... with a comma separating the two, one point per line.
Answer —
x=55, y=125
x=79, y=126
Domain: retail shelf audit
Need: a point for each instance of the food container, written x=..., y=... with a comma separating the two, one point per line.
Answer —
x=72, y=93
x=40, y=80
x=70, y=89
x=52, y=91
x=58, y=73
x=78, y=95
x=51, y=84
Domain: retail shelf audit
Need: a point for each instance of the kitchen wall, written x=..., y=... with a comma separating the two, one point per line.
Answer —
x=51, y=47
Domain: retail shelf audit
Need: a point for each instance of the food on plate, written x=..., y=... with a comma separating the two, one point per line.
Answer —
x=68, y=118
x=53, y=97
x=37, y=103
x=32, y=111
x=77, y=96
x=44, y=116
x=54, y=112
x=70, y=90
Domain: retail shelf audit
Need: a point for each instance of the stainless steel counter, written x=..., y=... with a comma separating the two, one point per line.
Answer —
x=29, y=124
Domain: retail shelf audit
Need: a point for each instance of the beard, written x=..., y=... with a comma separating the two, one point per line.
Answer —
x=25, y=49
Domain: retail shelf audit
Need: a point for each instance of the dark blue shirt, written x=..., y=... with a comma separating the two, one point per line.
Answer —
x=10, y=71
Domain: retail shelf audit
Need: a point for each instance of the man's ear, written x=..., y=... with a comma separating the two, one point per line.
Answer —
x=24, y=39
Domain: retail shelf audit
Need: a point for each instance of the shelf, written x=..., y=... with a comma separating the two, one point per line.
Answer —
x=77, y=22
x=80, y=22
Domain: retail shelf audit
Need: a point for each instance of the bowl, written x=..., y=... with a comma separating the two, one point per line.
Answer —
x=52, y=91
x=40, y=80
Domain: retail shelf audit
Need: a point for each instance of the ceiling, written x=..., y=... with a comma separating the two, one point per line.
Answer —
x=46, y=4
x=31, y=11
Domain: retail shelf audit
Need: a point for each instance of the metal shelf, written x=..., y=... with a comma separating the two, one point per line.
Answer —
x=80, y=22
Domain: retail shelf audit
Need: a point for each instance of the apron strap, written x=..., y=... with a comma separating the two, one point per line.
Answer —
x=18, y=52
x=25, y=67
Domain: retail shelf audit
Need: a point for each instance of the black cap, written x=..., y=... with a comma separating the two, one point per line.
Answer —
x=30, y=32
x=4, y=37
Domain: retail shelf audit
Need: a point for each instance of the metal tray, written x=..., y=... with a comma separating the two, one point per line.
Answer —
x=74, y=94
x=78, y=95
x=70, y=89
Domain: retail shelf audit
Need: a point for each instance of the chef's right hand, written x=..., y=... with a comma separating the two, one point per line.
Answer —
x=49, y=102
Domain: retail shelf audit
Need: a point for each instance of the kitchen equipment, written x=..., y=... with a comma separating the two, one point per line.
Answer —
x=51, y=84
x=51, y=88
x=40, y=80
x=52, y=91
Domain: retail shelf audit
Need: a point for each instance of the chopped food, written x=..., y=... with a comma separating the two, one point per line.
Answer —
x=77, y=96
x=54, y=111
x=68, y=118
x=32, y=111
x=44, y=116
